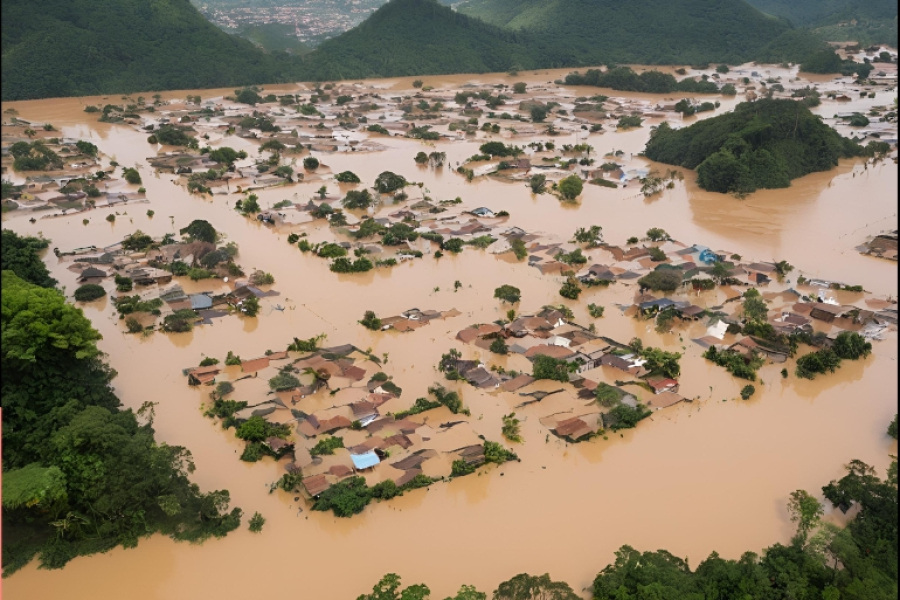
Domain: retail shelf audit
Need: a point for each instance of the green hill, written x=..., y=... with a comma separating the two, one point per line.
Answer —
x=84, y=47
x=647, y=32
x=414, y=37
x=762, y=144
x=865, y=21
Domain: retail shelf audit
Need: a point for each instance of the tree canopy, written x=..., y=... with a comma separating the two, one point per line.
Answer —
x=762, y=144
x=80, y=474
x=19, y=254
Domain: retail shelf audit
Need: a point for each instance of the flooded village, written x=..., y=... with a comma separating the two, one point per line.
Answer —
x=375, y=312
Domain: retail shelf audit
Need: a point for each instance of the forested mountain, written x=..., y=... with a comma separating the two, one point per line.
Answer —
x=412, y=37
x=866, y=21
x=82, y=47
x=649, y=32
x=810, y=12
x=86, y=47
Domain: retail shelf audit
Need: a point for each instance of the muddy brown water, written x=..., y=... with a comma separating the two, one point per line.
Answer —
x=710, y=475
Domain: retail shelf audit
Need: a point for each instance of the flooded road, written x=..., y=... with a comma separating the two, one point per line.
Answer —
x=710, y=475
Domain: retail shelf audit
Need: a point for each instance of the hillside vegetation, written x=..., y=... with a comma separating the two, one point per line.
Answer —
x=81, y=475
x=274, y=37
x=89, y=47
x=762, y=144
x=83, y=47
x=411, y=37
x=864, y=21
x=646, y=32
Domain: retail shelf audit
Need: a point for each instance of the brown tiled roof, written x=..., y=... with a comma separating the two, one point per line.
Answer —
x=355, y=373
x=338, y=422
x=256, y=364
x=661, y=384
x=572, y=428
x=399, y=440
x=665, y=399
x=316, y=484
x=547, y=350
x=517, y=383
x=467, y=335
x=204, y=377
x=362, y=408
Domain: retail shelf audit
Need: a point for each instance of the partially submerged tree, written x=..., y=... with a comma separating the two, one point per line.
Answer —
x=508, y=293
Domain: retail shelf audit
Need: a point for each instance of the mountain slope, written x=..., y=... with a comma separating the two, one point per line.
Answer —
x=865, y=21
x=274, y=37
x=412, y=37
x=84, y=47
x=649, y=31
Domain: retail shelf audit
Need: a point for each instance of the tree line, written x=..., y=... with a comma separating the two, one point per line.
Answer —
x=81, y=474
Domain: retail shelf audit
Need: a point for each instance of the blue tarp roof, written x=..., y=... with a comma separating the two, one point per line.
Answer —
x=365, y=461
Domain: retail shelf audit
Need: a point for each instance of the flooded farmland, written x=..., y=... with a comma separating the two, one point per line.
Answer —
x=711, y=474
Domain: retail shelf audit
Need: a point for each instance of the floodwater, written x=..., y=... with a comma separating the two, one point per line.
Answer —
x=710, y=475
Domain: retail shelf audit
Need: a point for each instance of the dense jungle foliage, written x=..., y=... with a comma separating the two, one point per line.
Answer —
x=80, y=474
x=649, y=32
x=57, y=48
x=763, y=144
x=85, y=47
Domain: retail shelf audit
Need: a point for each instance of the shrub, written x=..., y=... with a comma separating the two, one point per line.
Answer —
x=123, y=284
x=816, y=363
x=627, y=417
x=595, y=311
x=498, y=346
x=570, y=289
x=132, y=176
x=666, y=280
x=347, y=177
x=850, y=345
x=460, y=468
x=326, y=446
x=261, y=278
x=547, y=367
x=345, y=498
x=283, y=382
x=734, y=362
x=256, y=523
x=656, y=255
x=371, y=321
x=209, y=361
x=180, y=321
x=388, y=182
x=570, y=187
x=508, y=293
x=747, y=391
x=89, y=292
x=133, y=325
